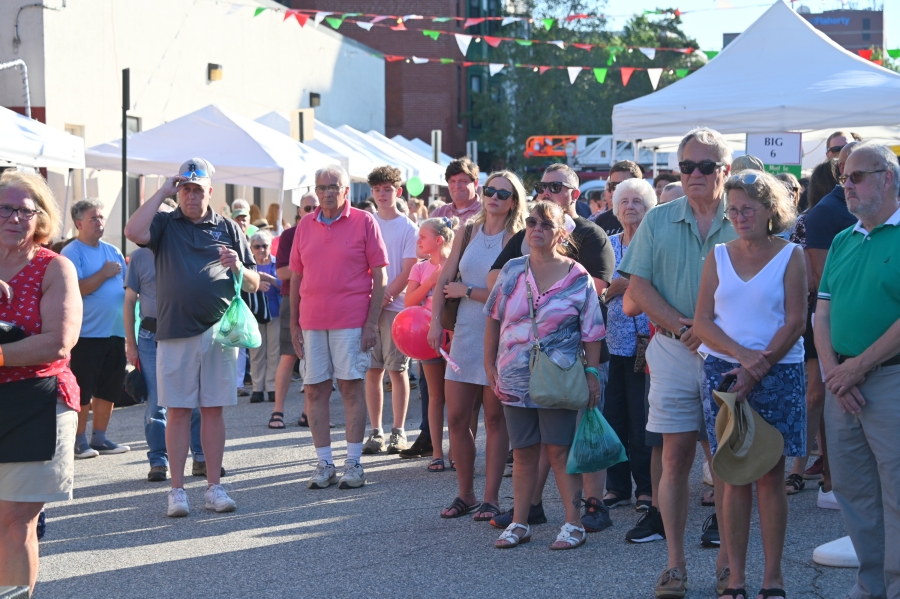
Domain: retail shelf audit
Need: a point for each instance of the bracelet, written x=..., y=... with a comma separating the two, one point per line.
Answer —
x=595, y=372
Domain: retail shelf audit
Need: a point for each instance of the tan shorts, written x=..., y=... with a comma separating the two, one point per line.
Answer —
x=333, y=353
x=385, y=354
x=42, y=482
x=196, y=372
x=676, y=383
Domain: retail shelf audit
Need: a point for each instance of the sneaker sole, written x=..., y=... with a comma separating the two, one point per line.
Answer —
x=178, y=513
x=618, y=503
x=228, y=508
x=86, y=456
x=650, y=539
x=156, y=479
x=671, y=594
x=415, y=456
x=314, y=485
x=367, y=451
x=119, y=449
x=395, y=450
x=710, y=543
x=356, y=485
x=592, y=529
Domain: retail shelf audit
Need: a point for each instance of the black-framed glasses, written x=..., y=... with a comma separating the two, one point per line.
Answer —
x=835, y=149
x=707, y=167
x=747, y=212
x=308, y=208
x=554, y=187
x=745, y=178
x=21, y=213
x=192, y=174
x=328, y=188
x=501, y=194
x=856, y=177
x=545, y=225
x=258, y=246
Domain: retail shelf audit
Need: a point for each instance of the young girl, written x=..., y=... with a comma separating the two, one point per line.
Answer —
x=434, y=243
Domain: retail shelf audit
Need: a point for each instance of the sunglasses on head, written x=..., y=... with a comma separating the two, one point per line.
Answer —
x=835, y=149
x=257, y=246
x=857, y=176
x=502, y=194
x=745, y=178
x=707, y=167
x=195, y=174
x=554, y=187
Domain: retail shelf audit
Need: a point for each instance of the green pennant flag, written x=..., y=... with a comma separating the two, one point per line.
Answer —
x=682, y=72
x=446, y=61
x=258, y=11
x=352, y=14
x=524, y=42
x=548, y=23
x=710, y=54
x=441, y=19
x=894, y=53
x=335, y=21
x=377, y=55
x=431, y=33
x=600, y=74
x=613, y=50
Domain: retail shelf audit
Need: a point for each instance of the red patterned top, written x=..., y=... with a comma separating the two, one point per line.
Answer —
x=25, y=311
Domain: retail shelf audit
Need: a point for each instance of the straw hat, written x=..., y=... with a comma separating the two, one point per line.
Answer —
x=749, y=447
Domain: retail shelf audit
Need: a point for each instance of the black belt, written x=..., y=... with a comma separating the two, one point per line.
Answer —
x=889, y=362
x=667, y=333
x=149, y=324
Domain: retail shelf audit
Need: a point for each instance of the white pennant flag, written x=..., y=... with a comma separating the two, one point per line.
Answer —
x=364, y=25
x=654, y=75
x=411, y=17
x=559, y=43
x=649, y=52
x=508, y=20
x=233, y=9
x=418, y=60
x=320, y=16
x=463, y=42
x=573, y=73
x=495, y=68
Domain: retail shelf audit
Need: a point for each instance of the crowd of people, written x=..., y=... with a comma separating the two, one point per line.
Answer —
x=658, y=296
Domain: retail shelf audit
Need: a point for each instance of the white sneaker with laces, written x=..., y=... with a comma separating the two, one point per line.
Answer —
x=324, y=476
x=178, y=504
x=826, y=501
x=353, y=476
x=217, y=499
x=397, y=441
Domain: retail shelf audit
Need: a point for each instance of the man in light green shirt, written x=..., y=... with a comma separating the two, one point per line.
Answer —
x=664, y=264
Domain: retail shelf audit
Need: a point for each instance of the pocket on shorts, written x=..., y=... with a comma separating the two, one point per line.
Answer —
x=363, y=360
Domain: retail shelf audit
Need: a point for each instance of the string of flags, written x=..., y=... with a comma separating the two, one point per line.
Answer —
x=867, y=54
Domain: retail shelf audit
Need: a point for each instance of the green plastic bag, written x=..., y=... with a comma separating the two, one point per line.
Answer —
x=238, y=327
x=596, y=445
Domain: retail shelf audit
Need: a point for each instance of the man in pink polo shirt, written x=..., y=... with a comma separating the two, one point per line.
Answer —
x=338, y=263
x=462, y=181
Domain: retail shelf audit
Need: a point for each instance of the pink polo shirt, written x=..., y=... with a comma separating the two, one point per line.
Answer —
x=449, y=210
x=336, y=262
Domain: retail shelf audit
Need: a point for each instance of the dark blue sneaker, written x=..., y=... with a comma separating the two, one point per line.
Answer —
x=109, y=448
x=41, y=525
x=596, y=515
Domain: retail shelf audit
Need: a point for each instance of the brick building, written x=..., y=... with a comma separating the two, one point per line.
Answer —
x=852, y=29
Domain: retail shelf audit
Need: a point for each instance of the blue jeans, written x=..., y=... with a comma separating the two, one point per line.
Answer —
x=155, y=415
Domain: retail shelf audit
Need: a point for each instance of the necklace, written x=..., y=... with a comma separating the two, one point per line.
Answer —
x=496, y=239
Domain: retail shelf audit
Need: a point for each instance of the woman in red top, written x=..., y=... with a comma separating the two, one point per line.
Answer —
x=38, y=392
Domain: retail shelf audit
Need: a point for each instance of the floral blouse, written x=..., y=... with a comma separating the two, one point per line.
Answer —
x=567, y=314
x=621, y=338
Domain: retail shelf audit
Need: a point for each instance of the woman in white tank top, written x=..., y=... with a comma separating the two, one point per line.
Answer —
x=750, y=315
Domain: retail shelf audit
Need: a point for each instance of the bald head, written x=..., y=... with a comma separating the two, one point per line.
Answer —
x=845, y=153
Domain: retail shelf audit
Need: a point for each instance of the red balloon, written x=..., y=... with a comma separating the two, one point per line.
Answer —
x=410, y=333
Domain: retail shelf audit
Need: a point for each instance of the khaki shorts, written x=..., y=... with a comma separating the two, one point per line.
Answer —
x=676, y=387
x=196, y=372
x=42, y=482
x=385, y=354
x=333, y=353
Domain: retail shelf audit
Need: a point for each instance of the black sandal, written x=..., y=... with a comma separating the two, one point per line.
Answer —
x=488, y=508
x=733, y=593
x=436, y=465
x=766, y=593
x=461, y=508
x=277, y=417
x=304, y=421
x=793, y=485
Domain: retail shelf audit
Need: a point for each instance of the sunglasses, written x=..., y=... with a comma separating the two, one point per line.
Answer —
x=745, y=178
x=856, y=176
x=554, y=187
x=195, y=174
x=835, y=149
x=707, y=167
x=257, y=246
x=502, y=194
x=545, y=225
x=308, y=208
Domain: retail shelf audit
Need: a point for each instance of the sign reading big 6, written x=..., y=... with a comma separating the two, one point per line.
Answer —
x=775, y=148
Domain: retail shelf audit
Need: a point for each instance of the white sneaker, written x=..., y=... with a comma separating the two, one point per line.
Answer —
x=374, y=444
x=397, y=441
x=826, y=501
x=178, y=504
x=707, y=474
x=217, y=499
x=324, y=476
x=353, y=476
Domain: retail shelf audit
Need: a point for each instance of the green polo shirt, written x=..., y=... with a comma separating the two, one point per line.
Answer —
x=862, y=281
x=667, y=251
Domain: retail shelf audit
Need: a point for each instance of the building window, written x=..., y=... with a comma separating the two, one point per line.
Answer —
x=475, y=83
x=867, y=23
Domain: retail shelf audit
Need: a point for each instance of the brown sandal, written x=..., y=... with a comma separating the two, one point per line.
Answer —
x=794, y=484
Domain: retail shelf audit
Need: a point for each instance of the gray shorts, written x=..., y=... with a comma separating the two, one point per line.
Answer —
x=652, y=439
x=286, y=346
x=530, y=426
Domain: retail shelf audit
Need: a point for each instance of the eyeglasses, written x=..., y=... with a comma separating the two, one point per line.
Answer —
x=192, y=174
x=746, y=212
x=745, y=178
x=707, y=167
x=328, y=188
x=21, y=213
x=308, y=208
x=835, y=149
x=554, y=187
x=97, y=220
x=545, y=225
x=502, y=194
x=611, y=186
x=257, y=246
x=856, y=177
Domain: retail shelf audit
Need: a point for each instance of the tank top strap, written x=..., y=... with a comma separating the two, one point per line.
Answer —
x=724, y=268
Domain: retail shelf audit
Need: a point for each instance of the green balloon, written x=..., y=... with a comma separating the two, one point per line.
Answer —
x=415, y=186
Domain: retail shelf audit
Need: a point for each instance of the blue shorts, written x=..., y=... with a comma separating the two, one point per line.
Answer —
x=780, y=398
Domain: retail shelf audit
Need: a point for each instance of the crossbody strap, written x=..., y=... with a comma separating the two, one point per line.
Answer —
x=467, y=237
x=537, y=339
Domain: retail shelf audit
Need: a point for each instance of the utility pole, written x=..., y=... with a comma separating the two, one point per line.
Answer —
x=126, y=104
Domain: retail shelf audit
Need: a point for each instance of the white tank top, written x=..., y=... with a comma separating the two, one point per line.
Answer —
x=751, y=312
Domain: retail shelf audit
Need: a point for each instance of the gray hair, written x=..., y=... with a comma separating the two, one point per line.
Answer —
x=771, y=193
x=262, y=235
x=239, y=204
x=707, y=137
x=886, y=158
x=82, y=206
x=336, y=170
x=641, y=186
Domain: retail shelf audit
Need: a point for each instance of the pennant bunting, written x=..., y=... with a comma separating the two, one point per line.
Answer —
x=654, y=75
x=412, y=17
x=573, y=73
x=878, y=62
x=399, y=27
x=364, y=25
x=441, y=19
x=584, y=46
x=867, y=54
x=571, y=18
x=508, y=20
x=559, y=44
x=392, y=58
x=548, y=23
x=681, y=72
x=468, y=64
x=258, y=11
x=418, y=60
x=648, y=52
x=495, y=68
x=710, y=54
x=302, y=19
x=379, y=19
x=233, y=9
x=470, y=22
x=894, y=53
x=493, y=42
x=320, y=16
x=447, y=61
x=543, y=70
x=335, y=22
x=524, y=42
x=600, y=75
x=626, y=74
x=431, y=33
x=463, y=41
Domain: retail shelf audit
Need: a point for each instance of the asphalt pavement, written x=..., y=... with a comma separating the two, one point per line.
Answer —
x=113, y=540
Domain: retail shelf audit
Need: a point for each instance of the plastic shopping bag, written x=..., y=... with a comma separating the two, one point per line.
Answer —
x=596, y=445
x=238, y=327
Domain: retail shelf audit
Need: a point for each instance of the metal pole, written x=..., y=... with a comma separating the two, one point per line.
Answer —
x=637, y=150
x=126, y=104
x=655, y=167
x=21, y=64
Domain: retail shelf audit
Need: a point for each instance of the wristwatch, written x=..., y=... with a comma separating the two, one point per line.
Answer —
x=469, y=293
x=683, y=330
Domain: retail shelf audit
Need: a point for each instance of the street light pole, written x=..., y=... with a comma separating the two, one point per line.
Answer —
x=126, y=104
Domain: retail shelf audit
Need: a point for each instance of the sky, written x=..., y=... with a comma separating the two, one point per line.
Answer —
x=712, y=20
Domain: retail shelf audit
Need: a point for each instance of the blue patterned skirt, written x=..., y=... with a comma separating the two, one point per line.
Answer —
x=780, y=398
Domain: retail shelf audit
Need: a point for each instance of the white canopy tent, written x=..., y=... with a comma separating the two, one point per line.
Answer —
x=421, y=148
x=32, y=143
x=781, y=74
x=429, y=172
x=389, y=152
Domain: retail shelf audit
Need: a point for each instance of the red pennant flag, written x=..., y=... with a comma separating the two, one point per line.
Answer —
x=544, y=69
x=288, y=14
x=493, y=42
x=468, y=64
x=301, y=18
x=470, y=22
x=399, y=27
x=584, y=46
x=392, y=58
x=677, y=12
x=626, y=74
x=879, y=62
x=571, y=18
x=867, y=54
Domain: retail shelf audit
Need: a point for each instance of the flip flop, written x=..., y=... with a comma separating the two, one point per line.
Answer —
x=461, y=509
x=436, y=465
x=488, y=508
x=277, y=419
x=304, y=422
